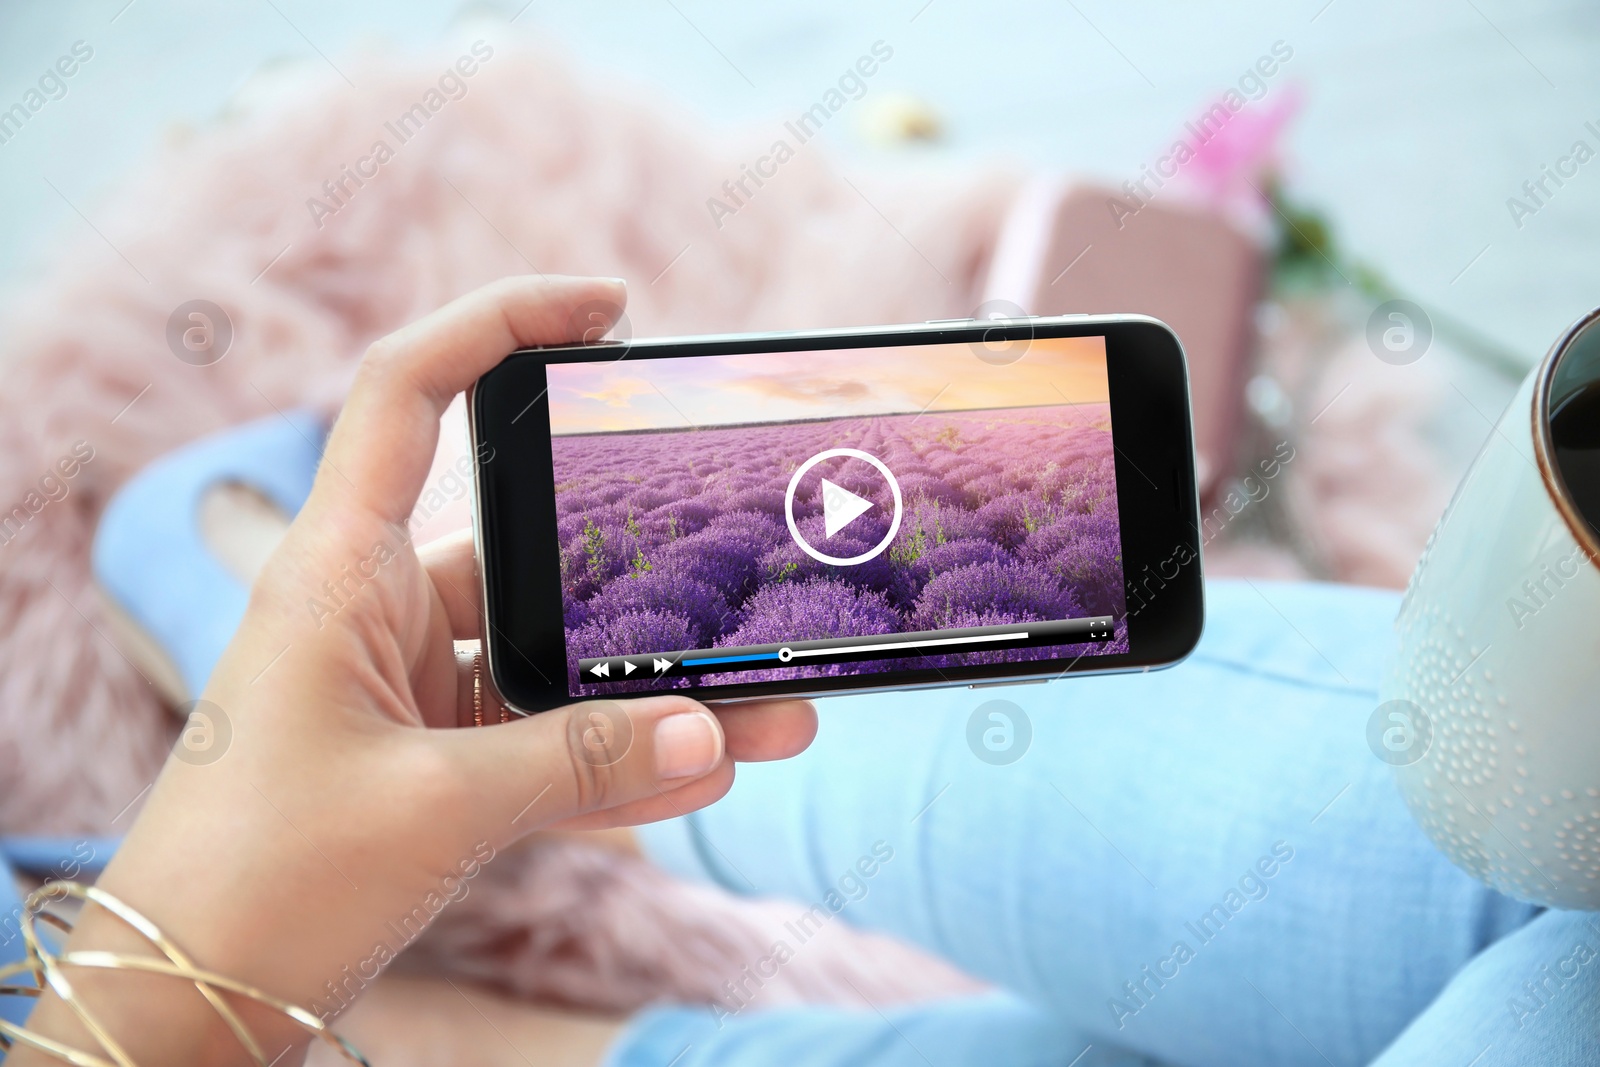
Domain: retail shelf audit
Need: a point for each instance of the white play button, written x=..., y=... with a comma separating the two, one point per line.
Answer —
x=840, y=507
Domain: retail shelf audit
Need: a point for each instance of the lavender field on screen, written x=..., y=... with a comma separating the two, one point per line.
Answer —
x=677, y=539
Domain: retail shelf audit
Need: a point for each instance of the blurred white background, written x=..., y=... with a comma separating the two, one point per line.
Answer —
x=1419, y=119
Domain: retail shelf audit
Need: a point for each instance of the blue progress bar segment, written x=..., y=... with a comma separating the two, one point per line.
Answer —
x=732, y=659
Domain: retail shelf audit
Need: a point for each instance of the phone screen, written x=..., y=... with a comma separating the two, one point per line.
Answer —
x=735, y=518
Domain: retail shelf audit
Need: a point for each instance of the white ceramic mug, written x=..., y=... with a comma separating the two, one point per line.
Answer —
x=1491, y=698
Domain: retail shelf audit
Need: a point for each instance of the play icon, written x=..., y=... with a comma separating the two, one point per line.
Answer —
x=840, y=507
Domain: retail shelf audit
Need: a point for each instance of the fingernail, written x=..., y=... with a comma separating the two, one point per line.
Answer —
x=687, y=745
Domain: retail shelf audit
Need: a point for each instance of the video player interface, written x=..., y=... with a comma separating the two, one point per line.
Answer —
x=725, y=519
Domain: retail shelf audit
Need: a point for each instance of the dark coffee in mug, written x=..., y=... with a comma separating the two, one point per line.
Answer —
x=1575, y=432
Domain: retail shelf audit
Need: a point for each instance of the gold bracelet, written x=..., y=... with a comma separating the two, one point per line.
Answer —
x=477, y=690
x=45, y=967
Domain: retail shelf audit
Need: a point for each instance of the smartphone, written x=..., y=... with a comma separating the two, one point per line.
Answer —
x=749, y=516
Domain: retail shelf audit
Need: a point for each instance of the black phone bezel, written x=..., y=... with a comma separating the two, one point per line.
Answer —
x=1158, y=507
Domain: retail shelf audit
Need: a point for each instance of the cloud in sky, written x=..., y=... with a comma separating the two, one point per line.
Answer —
x=807, y=388
x=618, y=392
x=644, y=394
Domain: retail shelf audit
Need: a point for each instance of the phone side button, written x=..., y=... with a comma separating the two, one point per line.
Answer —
x=996, y=685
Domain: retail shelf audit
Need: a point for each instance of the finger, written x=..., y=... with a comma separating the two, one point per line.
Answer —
x=585, y=757
x=452, y=564
x=667, y=804
x=752, y=733
x=769, y=730
x=384, y=440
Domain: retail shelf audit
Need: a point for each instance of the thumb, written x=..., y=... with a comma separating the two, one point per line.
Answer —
x=587, y=757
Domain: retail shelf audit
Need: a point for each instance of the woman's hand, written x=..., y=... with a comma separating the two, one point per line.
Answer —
x=345, y=809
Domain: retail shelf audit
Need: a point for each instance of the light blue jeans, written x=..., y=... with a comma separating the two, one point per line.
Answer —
x=1200, y=866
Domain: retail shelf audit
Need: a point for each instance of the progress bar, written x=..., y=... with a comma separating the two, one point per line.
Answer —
x=786, y=654
x=641, y=666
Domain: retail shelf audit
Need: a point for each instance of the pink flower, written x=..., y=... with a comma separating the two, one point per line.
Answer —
x=1231, y=166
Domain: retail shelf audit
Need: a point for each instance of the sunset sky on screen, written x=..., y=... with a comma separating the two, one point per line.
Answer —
x=677, y=393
